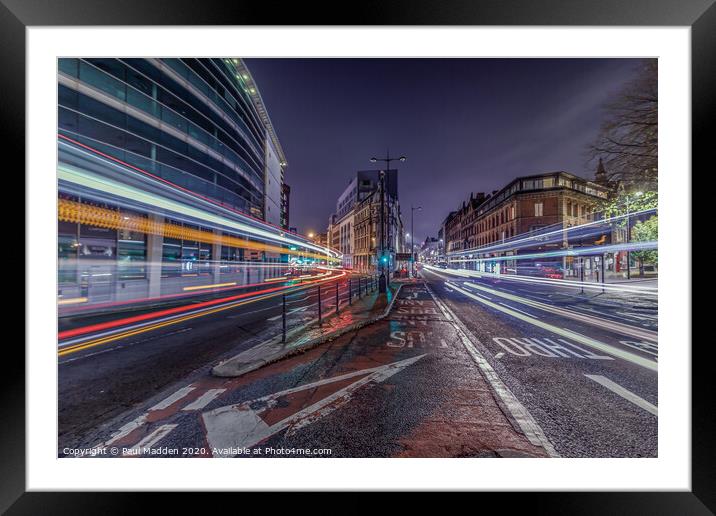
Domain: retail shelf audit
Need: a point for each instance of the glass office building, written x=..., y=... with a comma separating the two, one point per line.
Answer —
x=136, y=133
x=193, y=122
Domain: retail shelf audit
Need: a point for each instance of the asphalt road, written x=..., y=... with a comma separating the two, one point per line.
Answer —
x=407, y=386
x=102, y=376
x=589, y=382
x=460, y=368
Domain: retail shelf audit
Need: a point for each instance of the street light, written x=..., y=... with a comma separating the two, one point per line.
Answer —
x=412, y=245
x=383, y=280
x=628, y=221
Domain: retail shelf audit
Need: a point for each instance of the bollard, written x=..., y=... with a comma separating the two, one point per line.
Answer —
x=320, y=321
x=283, y=317
x=336, y=297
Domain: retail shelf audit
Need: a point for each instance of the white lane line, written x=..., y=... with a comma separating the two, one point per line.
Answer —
x=171, y=400
x=643, y=350
x=624, y=393
x=582, y=339
x=521, y=311
x=203, y=400
x=530, y=428
x=152, y=439
x=615, y=326
x=499, y=355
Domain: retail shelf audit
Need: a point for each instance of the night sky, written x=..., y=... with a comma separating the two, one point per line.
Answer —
x=464, y=125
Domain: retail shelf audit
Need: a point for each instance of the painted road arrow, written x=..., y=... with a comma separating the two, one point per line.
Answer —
x=246, y=424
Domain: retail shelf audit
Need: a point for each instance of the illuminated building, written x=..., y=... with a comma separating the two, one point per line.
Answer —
x=355, y=227
x=180, y=143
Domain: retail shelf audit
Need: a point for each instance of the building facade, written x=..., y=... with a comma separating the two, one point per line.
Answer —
x=165, y=167
x=285, y=206
x=355, y=228
x=525, y=206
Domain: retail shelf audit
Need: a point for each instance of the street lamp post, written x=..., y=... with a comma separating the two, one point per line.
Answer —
x=412, y=236
x=382, y=280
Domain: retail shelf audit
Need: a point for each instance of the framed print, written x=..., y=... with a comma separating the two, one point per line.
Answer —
x=362, y=251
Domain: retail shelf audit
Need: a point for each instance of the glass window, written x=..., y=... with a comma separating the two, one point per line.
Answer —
x=143, y=102
x=101, y=81
x=138, y=145
x=67, y=119
x=67, y=97
x=95, y=109
x=102, y=132
x=69, y=66
x=539, y=209
x=131, y=252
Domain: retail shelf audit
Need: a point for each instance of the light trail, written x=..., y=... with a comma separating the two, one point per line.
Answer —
x=68, y=310
x=214, y=285
x=555, y=235
x=86, y=179
x=577, y=251
x=582, y=339
x=614, y=326
x=560, y=283
x=206, y=308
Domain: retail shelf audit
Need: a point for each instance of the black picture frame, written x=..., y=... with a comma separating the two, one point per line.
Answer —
x=700, y=15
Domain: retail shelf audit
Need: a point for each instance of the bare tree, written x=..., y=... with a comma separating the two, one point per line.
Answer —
x=627, y=142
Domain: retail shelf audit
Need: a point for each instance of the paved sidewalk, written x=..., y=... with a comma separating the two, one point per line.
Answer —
x=362, y=311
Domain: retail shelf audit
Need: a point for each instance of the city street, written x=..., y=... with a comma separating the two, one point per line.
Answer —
x=213, y=302
x=453, y=371
x=585, y=369
x=104, y=372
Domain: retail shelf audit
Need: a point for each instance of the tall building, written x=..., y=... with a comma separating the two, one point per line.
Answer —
x=165, y=165
x=285, y=206
x=355, y=227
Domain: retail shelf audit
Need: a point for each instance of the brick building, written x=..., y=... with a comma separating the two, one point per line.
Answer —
x=526, y=204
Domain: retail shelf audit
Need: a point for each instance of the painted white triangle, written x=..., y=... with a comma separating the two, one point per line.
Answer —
x=240, y=426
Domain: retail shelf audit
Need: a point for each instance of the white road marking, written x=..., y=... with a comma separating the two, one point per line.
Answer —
x=167, y=402
x=624, y=393
x=520, y=414
x=152, y=439
x=499, y=355
x=521, y=311
x=646, y=347
x=203, y=400
x=582, y=339
x=615, y=326
x=240, y=425
x=125, y=430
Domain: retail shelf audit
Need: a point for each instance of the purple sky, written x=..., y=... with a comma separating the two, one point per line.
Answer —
x=464, y=125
